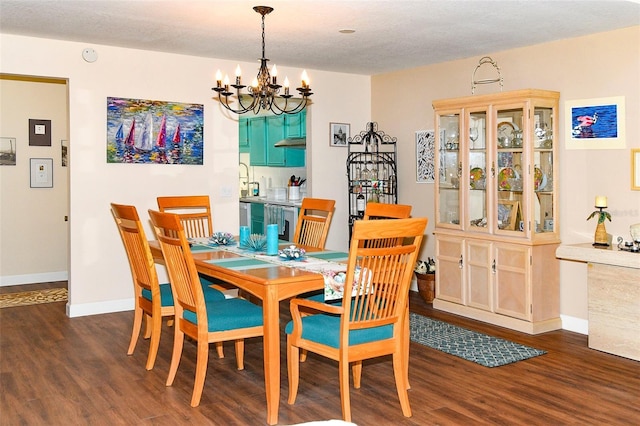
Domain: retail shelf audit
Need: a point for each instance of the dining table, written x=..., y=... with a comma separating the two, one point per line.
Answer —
x=269, y=278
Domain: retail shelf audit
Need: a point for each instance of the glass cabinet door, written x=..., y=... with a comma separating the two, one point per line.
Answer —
x=450, y=169
x=510, y=168
x=477, y=169
x=543, y=174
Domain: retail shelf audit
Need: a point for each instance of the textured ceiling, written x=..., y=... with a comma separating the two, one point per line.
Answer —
x=389, y=35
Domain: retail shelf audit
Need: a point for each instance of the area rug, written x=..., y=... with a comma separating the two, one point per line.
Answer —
x=35, y=297
x=470, y=345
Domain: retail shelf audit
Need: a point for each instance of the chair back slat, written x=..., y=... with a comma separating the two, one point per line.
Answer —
x=194, y=212
x=313, y=222
x=382, y=274
x=375, y=211
x=136, y=246
x=183, y=275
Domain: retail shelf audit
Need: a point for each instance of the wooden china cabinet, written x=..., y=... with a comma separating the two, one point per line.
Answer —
x=496, y=207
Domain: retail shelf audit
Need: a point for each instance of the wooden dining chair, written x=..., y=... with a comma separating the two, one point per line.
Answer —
x=194, y=212
x=195, y=215
x=152, y=299
x=205, y=322
x=370, y=322
x=313, y=224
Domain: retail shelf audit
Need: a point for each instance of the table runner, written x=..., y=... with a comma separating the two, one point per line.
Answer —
x=331, y=264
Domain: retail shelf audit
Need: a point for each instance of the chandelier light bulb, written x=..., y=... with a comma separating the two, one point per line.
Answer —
x=218, y=78
x=305, y=79
x=286, y=85
x=226, y=82
x=254, y=83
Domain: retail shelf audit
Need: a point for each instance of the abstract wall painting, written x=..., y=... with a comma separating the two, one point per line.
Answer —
x=595, y=123
x=425, y=156
x=154, y=132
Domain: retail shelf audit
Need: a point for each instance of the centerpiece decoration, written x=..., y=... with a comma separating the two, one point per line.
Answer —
x=425, y=272
x=292, y=253
x=256, y=242
x=222, y=238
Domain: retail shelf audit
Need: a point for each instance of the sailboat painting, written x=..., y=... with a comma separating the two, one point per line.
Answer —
x=154, y=132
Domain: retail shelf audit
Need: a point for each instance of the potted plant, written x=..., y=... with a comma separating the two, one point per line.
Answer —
x=425, y=272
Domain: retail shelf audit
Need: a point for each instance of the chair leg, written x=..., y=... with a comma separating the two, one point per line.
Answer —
x=137, y=324
x=156, y=331
x=357, y=373
x=201, y=371
x=406, y=344
x=239, y=343
x=293, y=367
x=219, y=349
x=303, y=355
x=343, y=366
x=147, y=326
x=401, y=383
x=178, y=341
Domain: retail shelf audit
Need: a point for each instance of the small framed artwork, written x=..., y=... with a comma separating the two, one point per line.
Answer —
x=507, y=214
x=41, y=172
x=425, y=156
x=595, y=123
x=635, y=169
x=39, y=132
x=64, y=147
x=7, y=151
x=338, y=134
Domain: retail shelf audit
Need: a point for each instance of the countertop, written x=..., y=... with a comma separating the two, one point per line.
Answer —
x=265, y=200
x=605, y=255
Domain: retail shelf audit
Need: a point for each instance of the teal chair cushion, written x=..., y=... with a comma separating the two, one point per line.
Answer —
x=325, y=329
x=229, y=314
x=166, y=296
x=211, y=294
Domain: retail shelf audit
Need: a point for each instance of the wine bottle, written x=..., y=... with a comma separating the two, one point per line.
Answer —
x=360, y=203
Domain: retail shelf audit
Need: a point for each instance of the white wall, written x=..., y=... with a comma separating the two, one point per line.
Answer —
x=600, y=65
x=33, y=250
x=99, y=279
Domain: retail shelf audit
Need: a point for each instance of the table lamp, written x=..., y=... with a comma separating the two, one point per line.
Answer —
x=600, y=238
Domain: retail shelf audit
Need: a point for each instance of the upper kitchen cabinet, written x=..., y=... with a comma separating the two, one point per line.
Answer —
x=264, y=132
x=295, y=126
x=496, y=205
x=243, y=134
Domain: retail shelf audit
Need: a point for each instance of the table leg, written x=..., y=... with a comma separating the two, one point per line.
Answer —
x=271, y=316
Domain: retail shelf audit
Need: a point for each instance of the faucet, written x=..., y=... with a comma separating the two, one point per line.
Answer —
x=256, y=190
x=246, y=182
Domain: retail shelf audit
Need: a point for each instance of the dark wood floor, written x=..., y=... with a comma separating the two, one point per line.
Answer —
x=56, y=370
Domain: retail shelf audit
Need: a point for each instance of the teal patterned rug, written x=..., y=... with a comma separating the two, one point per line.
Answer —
x=470, y=345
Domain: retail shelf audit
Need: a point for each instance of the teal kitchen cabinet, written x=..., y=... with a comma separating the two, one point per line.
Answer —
x=257, y=129
x=295, y=126
x=262, y=134
x=243, y=135
x=257, y=218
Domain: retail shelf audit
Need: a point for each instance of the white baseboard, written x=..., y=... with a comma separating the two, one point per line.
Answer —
x=45, y=277
x=96, y=308
x=577, y=325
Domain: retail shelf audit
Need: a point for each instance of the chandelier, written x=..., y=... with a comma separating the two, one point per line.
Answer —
x=264, y=92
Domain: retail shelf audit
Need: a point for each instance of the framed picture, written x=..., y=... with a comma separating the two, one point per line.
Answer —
x=338, y=134
x=7, y=151
x=635, y=169
x=39, y=132
x=595, y=123
x=41, y=172
x=64, y=152
x=143, y=131
x=507, y=214
x=425, y=156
